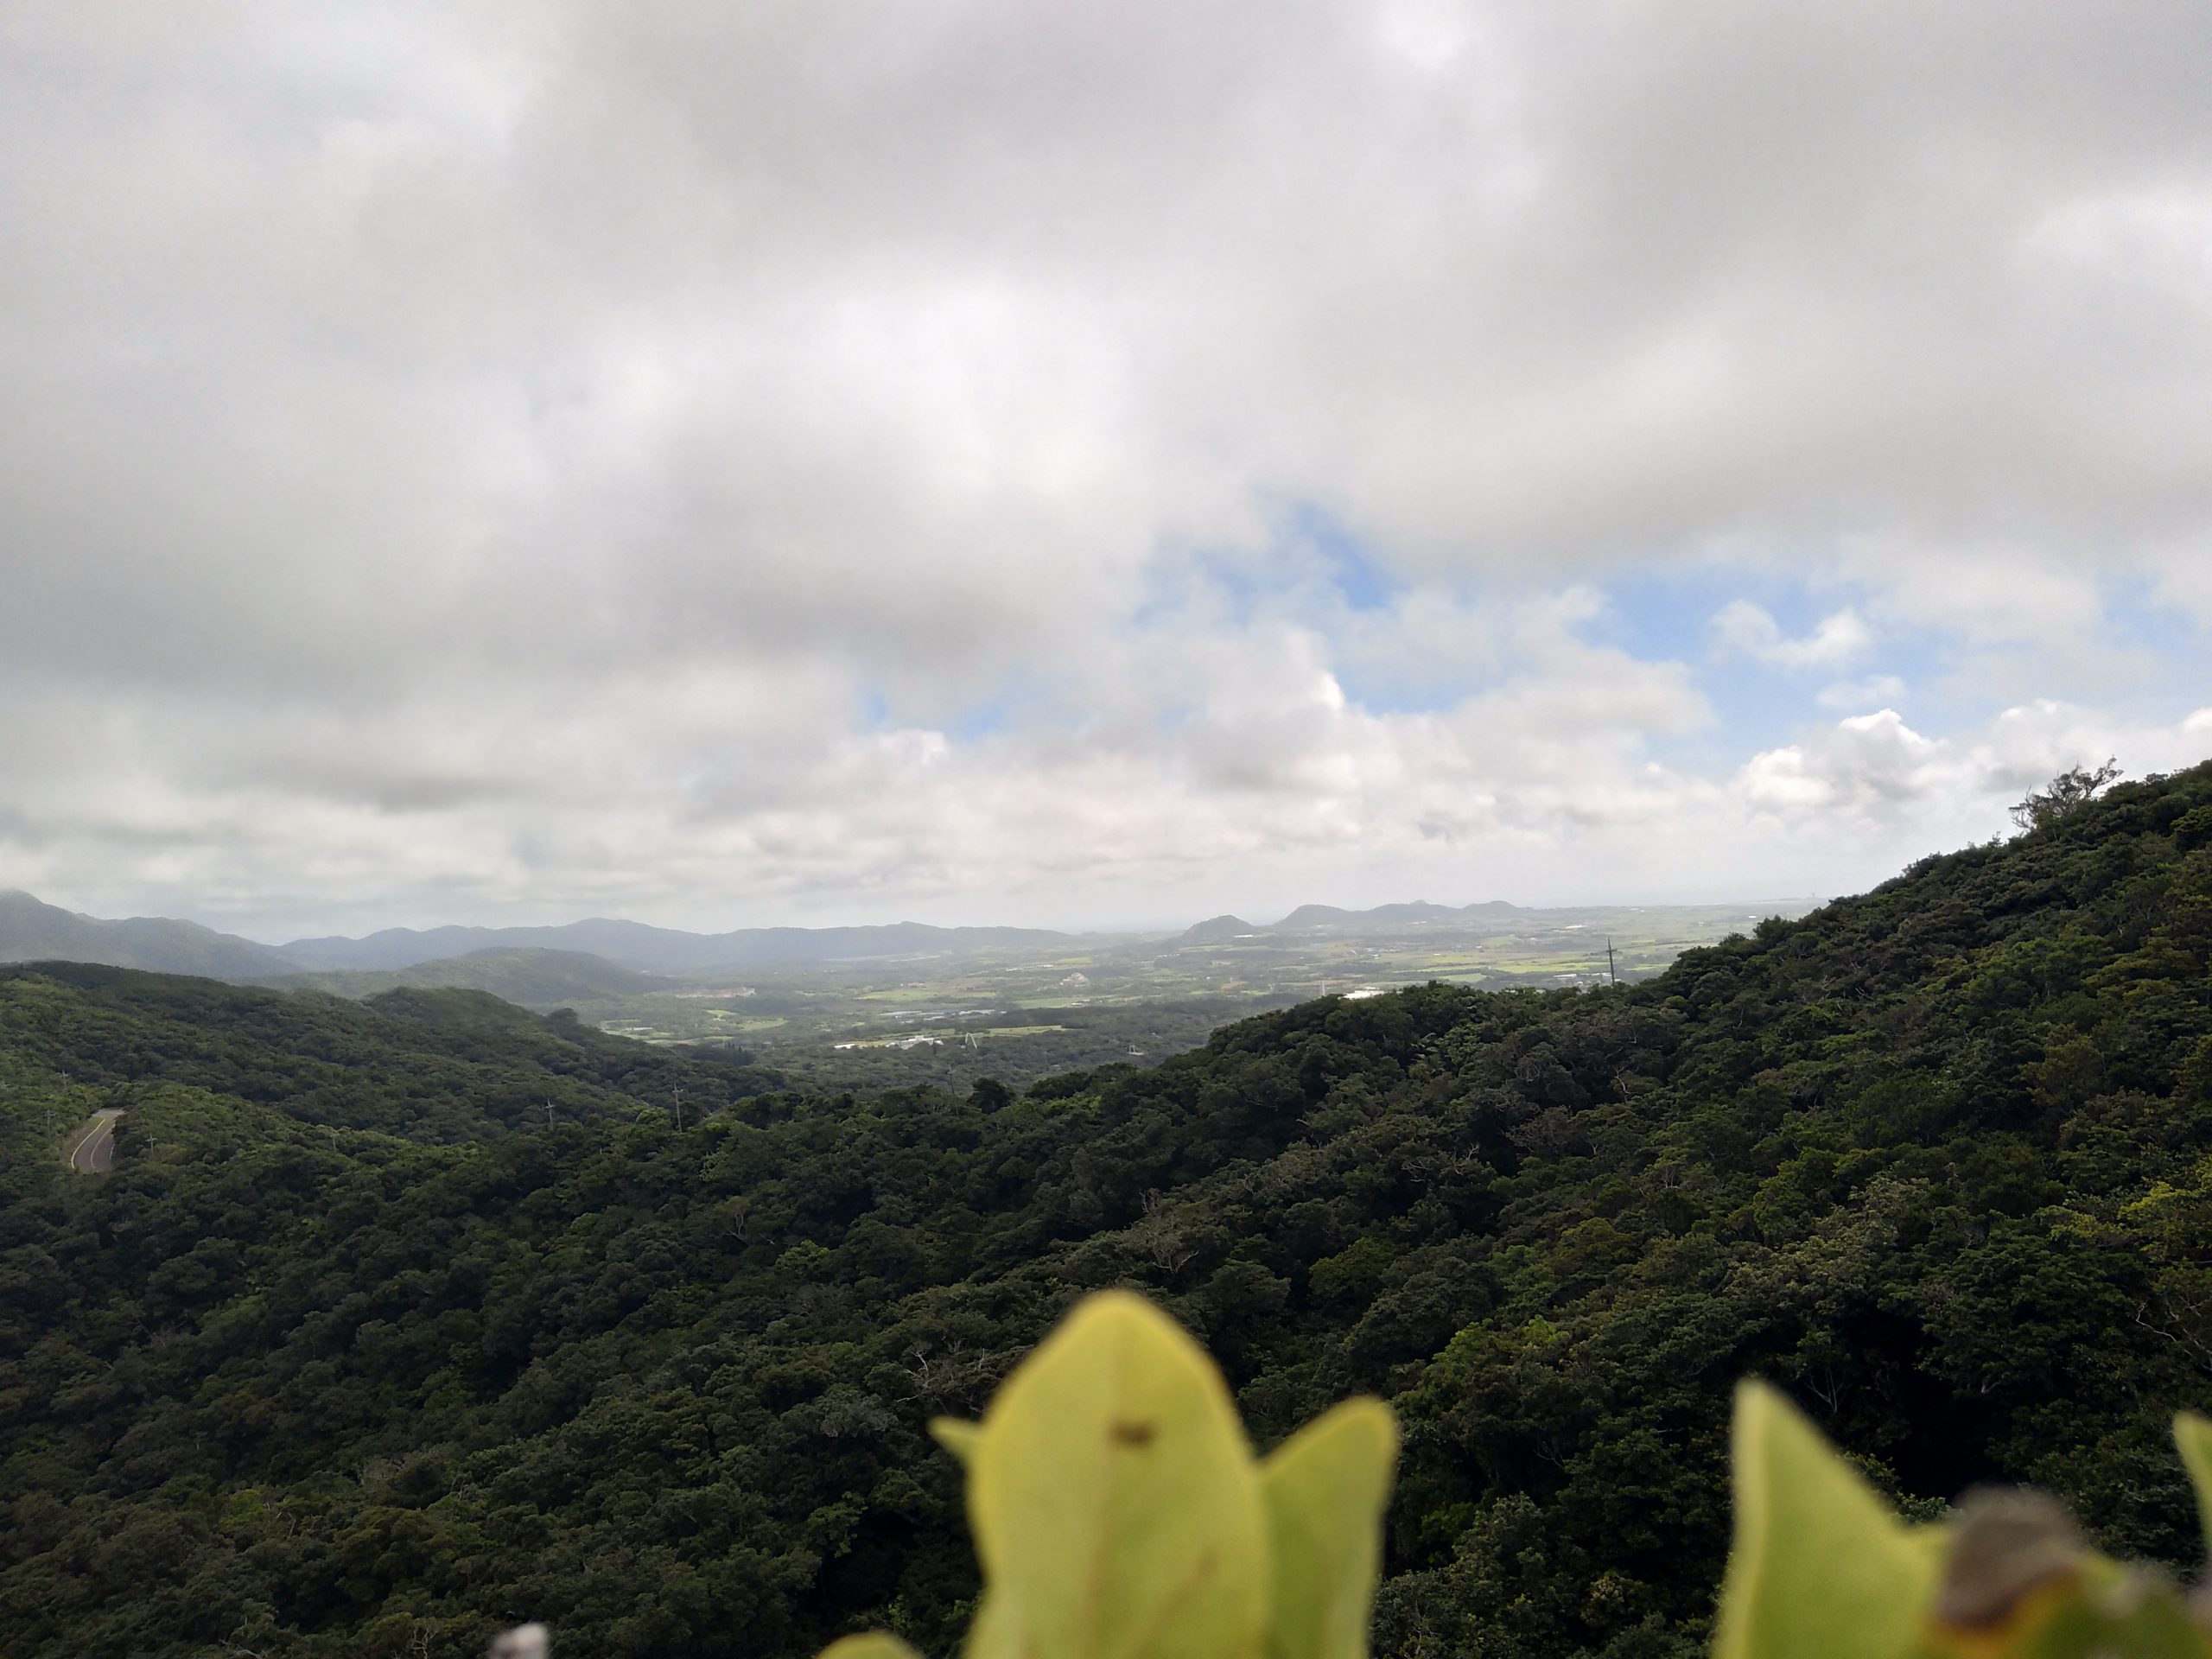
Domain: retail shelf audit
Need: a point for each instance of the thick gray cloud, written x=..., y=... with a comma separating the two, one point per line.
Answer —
x=793, y=461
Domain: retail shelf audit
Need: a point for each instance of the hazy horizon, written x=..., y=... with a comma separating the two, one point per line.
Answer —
x=1085, y=465
x=1261, y=916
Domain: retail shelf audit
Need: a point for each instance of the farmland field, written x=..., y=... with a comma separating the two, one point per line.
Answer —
x=1018, y=1016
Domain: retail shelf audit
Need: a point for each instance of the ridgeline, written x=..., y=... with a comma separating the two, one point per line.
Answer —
x=395, y=1323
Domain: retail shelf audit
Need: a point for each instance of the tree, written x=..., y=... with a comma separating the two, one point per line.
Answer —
x=2065, y=796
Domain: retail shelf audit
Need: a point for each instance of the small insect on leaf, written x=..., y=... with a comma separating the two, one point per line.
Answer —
x=2009, y=1551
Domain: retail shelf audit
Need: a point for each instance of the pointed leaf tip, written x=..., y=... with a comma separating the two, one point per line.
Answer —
x=1114, y=1500
x=1326, y=1488
x=956, y=1436
x=1820, y=1567
x=2193, y=1436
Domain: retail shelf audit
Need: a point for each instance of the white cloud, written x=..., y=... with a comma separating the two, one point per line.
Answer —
x=1875, y=771
x=1989, y=593
x=454, y=461
x=1747, y=628
x=1863, y=763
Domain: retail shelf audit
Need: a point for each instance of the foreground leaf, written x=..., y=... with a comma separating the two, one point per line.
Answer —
x=1820, y=1567
x=1114, y=1500
x=1325, y=1490
x=2193, y=1435
x=956, y=1436
x=876, y=1644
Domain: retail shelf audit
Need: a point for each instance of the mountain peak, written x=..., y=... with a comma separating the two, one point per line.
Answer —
x=1217, y=928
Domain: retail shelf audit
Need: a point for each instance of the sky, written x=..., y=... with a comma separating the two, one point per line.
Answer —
x=1083, y=464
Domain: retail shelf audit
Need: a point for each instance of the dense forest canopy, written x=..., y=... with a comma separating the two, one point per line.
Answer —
x=400, y=1321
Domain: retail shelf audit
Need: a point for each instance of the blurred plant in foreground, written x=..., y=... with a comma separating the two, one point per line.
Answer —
x=1120, y=1513
x=1822, y=1569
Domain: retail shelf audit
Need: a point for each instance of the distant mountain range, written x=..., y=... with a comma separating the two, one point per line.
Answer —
x=666, y=950
x=33, y=932
x=605, y=957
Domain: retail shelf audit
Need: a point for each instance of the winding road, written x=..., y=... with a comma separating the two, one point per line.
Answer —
x=91, y=1151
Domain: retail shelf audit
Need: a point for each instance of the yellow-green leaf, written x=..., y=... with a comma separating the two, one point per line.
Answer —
x=876, y=1644
x=1114, y=1500
x=989, y=1635
x=2193, y=1435
x=1325, y=1488
x=956, y=1436
x=1819, y=1568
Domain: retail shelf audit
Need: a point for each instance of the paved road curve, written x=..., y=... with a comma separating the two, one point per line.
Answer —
x=91, y=1151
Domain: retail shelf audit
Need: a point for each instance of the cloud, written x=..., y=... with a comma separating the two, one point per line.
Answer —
x=1748, y=629
x=455, y=462
x=1862, y=763
x=1875, y=768
x=1988, y=593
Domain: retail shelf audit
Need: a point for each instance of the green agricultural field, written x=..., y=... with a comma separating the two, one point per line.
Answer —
x=1017, y=1017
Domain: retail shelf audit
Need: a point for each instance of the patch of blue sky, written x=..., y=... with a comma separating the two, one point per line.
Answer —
x=970, y=723
x=1317, y=571
x=2139, y=656
x=1310, y=563
x=1380, y=691
x=1667, y=615
x=1313, y=571
x=985, y=719
x=2147, y=620
x=1345, y=561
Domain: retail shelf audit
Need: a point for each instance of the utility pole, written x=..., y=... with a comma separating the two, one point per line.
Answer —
x=1612, y=972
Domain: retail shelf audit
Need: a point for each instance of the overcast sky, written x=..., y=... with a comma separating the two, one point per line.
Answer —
x=1083, y=462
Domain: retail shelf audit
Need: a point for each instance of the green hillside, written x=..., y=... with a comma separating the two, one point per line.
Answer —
x=359, y=1346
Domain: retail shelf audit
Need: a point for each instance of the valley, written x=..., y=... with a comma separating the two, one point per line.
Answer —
x=1022, y=1010
x=880, y=1007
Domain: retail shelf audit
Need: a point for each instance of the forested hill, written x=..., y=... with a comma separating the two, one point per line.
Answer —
x=31, y=932
x=354, y=1352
